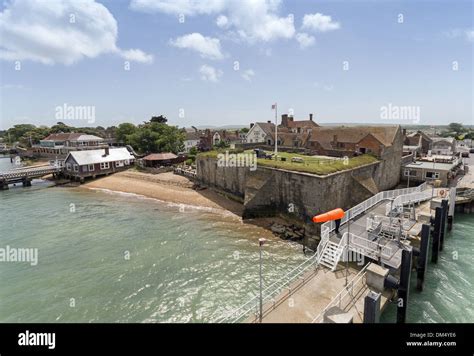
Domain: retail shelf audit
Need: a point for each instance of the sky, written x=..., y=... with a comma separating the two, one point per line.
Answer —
x=225, y=62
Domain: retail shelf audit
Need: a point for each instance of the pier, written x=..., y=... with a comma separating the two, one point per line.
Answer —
x=360, y=269
x=26, y=174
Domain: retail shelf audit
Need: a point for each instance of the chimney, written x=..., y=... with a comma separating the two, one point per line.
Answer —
x=311, y=117
x=251, y=124
x=269, y=121
x=284, y=120
x=404, y=132
x=106, y=152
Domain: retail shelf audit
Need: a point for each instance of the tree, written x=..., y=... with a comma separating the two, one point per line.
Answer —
x=159, y=119
x=456, y=127
x=124, y=130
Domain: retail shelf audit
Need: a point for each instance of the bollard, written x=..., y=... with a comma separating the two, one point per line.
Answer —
x=404, y=287
x=436, y=235
x=422, y=257
x=372, y=308
x=444, y=217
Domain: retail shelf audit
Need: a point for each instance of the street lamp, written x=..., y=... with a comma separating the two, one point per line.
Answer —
x=261, y=242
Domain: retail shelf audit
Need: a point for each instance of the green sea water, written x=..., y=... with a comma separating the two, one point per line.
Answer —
x=108, y=257
x=448, y=294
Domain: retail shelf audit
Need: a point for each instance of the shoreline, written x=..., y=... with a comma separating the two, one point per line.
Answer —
x=167, y=188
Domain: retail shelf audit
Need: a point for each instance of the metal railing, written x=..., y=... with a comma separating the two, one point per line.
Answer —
x=275, y=289
x=270, y=293
x=369, y=203
x=347, y=291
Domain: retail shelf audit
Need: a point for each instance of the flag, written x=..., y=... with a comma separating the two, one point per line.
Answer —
x=274, y=106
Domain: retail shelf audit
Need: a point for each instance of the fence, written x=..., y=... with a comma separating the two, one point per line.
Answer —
x=341, y=300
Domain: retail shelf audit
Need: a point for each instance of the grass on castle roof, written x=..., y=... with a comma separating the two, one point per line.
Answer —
x=311, y=164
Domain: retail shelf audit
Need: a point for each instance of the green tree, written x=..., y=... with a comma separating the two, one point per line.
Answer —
x=159, y=119
x=124, y=130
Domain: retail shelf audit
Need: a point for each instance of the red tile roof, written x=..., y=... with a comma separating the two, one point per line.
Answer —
x=160, y=156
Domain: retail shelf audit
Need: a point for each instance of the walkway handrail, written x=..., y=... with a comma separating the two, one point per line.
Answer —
x=368, y=203
x=348, y=289
x=269, y=292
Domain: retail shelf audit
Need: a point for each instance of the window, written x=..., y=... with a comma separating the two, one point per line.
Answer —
x=105, y=165
x=68, y=166
x=432, y=175
x=91, y=168
x=76, y=168
x=409, y=172
x=119, y=164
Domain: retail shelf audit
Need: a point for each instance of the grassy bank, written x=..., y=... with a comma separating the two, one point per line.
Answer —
x=309, y=164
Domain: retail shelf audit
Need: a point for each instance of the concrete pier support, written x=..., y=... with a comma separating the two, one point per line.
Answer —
x=404, y=286
x=436, y=235
x=27, y=183
x=4, y=186
x=444, y=218
x=422, y=257
x=372, y=308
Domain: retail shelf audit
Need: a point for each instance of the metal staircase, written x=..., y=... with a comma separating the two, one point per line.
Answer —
x=331, y=254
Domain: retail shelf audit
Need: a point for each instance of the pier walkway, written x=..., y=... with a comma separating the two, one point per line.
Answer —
x=25, y=175
x=369, y=229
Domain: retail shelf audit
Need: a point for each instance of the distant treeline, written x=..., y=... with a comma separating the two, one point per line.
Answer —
x=151, y=136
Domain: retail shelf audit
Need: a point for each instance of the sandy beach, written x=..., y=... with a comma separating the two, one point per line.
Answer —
x=167, y=187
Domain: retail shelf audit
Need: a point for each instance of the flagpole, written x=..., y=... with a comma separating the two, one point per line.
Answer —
x=276, y=131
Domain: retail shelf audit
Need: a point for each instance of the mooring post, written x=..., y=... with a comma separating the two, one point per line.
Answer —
x=444, y=217
x=372, y=308
x=422, y=257
x=404, y=286
x=452, y=206
x=436, y=235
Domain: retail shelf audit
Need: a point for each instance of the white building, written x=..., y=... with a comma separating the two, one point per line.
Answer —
x=192, y=140
x=261, y=132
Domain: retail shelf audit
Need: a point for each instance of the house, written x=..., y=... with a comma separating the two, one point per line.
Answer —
x=261, y=132
x=192, y=140
x=424, y=170
x=349, y=141
x=291, y=133
x=288, y=124
x=418, y=142
x=162, y=159
x=63, y=143
x=226, y=136
x=443, y=145
x=92, y=163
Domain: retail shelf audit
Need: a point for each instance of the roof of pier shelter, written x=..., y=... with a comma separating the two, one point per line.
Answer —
x=165, y=156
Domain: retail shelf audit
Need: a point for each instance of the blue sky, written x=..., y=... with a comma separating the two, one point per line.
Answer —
x=188, y=67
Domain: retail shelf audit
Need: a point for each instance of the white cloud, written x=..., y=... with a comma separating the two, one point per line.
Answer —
x=207, y=47
x=470, y=35
x=61, y=31
x=249, y=20
x=178, y=7
x=222, y=21
x=319, y=23
x=248, y=75
x=305, y=40
x=137, y=55
x=210, y=74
